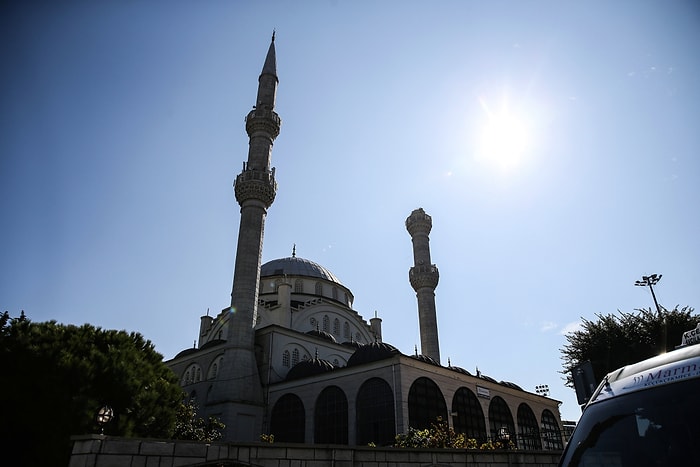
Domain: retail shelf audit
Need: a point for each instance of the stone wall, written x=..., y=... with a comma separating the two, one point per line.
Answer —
x=105, y=451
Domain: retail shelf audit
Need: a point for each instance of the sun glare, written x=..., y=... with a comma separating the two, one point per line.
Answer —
x=504, y=137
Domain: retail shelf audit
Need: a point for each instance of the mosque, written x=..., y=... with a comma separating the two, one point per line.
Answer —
x=292, y=358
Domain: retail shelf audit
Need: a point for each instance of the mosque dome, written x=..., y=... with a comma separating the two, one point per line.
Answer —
x=306, y=368
x=322, y=334
x=511, y=385
x=372, y=352
x=459, y=369
x=425, y=359
x=352, y=343
x=295, y=266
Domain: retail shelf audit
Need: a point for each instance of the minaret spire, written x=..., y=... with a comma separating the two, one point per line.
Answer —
x=238, y=396
x=424, y=278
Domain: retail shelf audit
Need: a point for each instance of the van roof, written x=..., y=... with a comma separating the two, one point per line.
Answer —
x=683, y=363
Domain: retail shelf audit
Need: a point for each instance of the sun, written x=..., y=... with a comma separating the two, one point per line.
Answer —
x=504, y=136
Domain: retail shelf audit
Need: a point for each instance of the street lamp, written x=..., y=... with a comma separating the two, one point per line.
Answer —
x=650, y=281
x=103, y=417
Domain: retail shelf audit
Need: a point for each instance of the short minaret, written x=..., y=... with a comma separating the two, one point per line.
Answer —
x=238, y=396
x=424, y=278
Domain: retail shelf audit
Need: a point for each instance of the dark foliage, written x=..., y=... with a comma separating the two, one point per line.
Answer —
x=613, y=341
x=57, y=376
x=192, y=427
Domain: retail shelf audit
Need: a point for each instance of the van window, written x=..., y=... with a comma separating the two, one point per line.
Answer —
x=659, y=426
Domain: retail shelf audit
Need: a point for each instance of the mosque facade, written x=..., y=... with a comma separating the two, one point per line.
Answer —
x=292, y=358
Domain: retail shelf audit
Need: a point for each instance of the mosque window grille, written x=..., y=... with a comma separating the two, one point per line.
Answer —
x=500, y=419
x=319, y=288
x=334, y=293
x=331, y=417
x=326, y=323
x=468, y=416
x=346, y=330
x=288, y=419
x=286, y=358
x=550, y=431
x=375, y=413
x=528, y=429
x=295, y=356
x=336, y=326
x=298, y=286
x=314, y=322
x=358, y=337
x=425, y=403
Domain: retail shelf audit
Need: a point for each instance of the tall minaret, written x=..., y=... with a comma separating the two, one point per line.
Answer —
x=424, y=278
x=237, y=396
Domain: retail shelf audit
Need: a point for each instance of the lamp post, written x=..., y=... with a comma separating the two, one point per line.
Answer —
x=103, y=417
x=650, y=281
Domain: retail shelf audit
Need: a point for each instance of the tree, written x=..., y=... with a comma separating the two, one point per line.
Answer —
x=57, y=376
x=192, y=427
x=614, y=341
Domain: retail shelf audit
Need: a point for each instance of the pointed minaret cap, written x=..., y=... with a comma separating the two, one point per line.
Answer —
x=270, y=66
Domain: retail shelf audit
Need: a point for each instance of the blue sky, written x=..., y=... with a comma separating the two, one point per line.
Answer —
x=554, y=143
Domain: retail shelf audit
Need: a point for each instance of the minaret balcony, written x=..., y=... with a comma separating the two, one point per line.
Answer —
x=419, y=221
x=263, y=120
x=423, y=276
x=255, y=184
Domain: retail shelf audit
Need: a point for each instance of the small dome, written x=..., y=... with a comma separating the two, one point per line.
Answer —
x=323, y=335
x=372, y=352
x=425, y=359
x=511, y=385
x=352, y=343
x=488, y=378
x=295, y=266
x=212, y=343
x=459, y=370
x=185, y=352
x=306, y=368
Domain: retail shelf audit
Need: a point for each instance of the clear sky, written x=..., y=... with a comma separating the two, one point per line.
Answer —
x=554, y=143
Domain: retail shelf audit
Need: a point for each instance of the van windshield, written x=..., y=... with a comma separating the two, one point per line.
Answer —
x=659, y=426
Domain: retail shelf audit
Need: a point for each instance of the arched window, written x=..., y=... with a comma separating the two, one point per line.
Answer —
x=467, y=416
x=298, y=286
x=331, y=417
x=334, y=293
x=288, y=420
x=214, y=367
x=550, y=431
x=314, y=323
x=295, y=356
x=326, y=323
x=425, y=404
x=319, y=288
x=336, y=327
x=528, y=429
x=346, y=330
x=193, y=374
x=375, y=413
x=501, y=423
x=285, y=358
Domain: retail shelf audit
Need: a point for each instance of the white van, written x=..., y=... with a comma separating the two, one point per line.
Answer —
x=644, y=414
